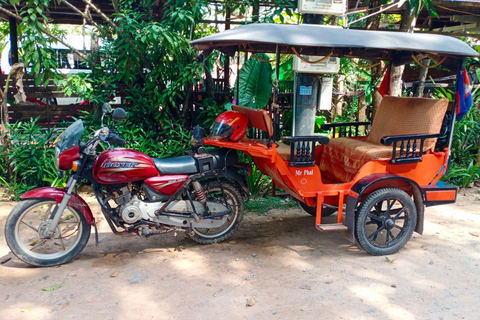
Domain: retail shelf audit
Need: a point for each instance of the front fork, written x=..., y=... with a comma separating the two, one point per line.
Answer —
x=57, y=213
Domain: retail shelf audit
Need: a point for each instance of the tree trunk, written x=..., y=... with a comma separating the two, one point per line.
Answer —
x=362, y=108
x=338, y=106
x=408, y=23
x=421, y=79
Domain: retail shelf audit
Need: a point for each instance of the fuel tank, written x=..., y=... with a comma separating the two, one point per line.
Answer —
x=122, y=166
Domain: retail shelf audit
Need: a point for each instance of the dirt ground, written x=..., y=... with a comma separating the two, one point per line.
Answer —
x=278, y=263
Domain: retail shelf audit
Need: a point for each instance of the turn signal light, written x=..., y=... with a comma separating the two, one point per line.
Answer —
x=75, y=165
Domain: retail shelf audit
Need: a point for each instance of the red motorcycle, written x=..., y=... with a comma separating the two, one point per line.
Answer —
x=200, y=194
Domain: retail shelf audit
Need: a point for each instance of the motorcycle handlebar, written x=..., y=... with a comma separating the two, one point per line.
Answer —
x=114, y=139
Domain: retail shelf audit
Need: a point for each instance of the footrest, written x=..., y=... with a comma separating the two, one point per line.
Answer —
x=332, y=227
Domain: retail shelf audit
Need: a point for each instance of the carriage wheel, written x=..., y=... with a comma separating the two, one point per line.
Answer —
x=385, y=221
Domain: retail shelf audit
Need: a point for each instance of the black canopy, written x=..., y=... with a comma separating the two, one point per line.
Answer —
x=320, y=40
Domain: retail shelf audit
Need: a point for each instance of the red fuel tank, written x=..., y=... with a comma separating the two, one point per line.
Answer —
x=123, y=165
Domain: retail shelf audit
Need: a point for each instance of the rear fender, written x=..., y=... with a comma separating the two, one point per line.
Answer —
x=374, y=182
x=57, y=194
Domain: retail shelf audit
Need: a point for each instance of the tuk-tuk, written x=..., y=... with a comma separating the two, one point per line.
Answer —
x=380, y=182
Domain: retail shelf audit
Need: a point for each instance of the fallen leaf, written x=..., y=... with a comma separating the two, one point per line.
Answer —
x=65, y=305
x=113, y=275
x=52, y=288
x=26, y=310
x=474, y=234
x=6, y=260
x=33, y=242
x=252, y=301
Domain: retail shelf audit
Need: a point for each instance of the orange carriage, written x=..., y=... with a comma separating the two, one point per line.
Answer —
x=380, y=182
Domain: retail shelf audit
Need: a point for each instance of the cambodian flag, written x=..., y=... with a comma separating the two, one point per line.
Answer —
x=463, y=98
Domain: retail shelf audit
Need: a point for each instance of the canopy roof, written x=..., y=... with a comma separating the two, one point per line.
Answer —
x=321, y=40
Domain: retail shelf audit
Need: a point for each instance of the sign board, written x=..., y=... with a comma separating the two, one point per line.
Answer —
x=326, y=92
x=326, y=7
x=305, y=91
x=328, y=66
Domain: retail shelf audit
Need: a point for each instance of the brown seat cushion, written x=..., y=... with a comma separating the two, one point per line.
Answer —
x=404, y=115
x=343, y=157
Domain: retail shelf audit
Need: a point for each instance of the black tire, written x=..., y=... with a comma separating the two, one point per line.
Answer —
x=16, y=230
x=213, y=191
x=326, y=211
x=385, y=221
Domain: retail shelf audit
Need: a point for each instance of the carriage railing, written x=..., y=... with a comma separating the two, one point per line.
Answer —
x=407, y=148
x=302, y=150
x=346, y=129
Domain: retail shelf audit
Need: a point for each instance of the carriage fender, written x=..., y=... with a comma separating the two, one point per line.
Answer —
x=374, y=182
x=57, y=194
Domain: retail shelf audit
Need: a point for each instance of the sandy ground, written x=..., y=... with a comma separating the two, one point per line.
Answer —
x=278, y=262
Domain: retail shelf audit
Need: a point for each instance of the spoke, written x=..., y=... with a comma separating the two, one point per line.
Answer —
x=399, y=228
x=378, y=206
x=376, y=232
x=66, y=222
x=389, y=206
x=386, y=241
x=399, y=213
x=400, y=218
x=61, y=240
x=29, y=225
x=391, y=235
x=39, y=244
x=371, y=222
x=374, y=217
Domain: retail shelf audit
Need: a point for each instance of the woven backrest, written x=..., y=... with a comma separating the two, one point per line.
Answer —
x=405, y=115
x=259, y=119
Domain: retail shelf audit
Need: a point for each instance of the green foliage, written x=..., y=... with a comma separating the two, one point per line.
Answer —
x=264, y=205
x=254, y=83
x=258, y=183
x=464, y=166
x=29, y=160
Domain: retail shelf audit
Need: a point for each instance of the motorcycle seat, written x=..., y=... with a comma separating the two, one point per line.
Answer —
x=177, y=165
x=189, y=165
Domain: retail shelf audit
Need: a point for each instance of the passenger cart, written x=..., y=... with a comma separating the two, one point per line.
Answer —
x=383, y=180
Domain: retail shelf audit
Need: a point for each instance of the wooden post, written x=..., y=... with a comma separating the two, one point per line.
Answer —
x=13, y=40
x=226, y=67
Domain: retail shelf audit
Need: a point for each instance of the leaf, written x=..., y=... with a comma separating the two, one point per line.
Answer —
x=26, y=310
x=474, y=234
x=430, y=8
x=254, y=83
x=252, y=301
x=65, y=305
x=52, y=288
x=113, y=275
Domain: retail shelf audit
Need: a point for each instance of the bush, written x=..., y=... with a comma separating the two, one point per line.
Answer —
x=28, y=161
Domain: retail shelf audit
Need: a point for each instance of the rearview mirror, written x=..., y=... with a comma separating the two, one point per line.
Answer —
x=119, y=114
x=106, y=108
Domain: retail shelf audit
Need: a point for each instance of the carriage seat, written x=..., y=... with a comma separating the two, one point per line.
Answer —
x=343, y=157
x=261, y=120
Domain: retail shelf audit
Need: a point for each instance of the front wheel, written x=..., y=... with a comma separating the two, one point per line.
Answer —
x=24, y=233
x=385, y=221
x=220, y=192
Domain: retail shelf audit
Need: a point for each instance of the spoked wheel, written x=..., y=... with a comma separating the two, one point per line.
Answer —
x=213, y=191
x=24, y=232
x=385, y=221
x=326, y=211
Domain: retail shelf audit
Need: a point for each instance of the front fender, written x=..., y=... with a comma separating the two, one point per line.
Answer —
x=57, y=194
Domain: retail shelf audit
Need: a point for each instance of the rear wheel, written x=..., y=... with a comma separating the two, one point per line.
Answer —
x=326, y=211
x=220, y=192
x=385, y=221
x=23, y=232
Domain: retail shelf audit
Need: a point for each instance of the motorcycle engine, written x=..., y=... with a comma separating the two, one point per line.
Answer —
x=130, y=211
